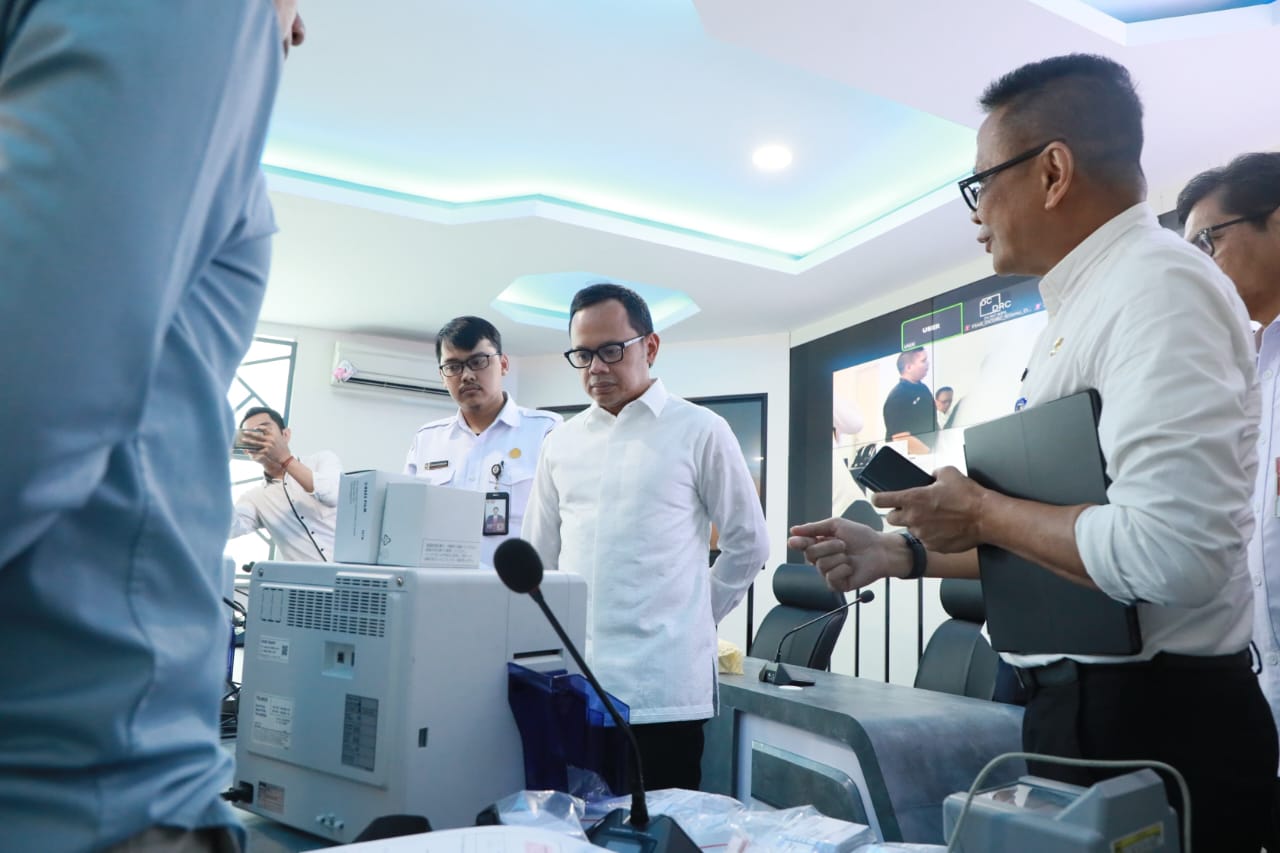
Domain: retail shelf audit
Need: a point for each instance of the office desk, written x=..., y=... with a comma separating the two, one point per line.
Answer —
x=857, y=749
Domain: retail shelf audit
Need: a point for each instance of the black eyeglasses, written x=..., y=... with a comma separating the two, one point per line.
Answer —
x=475, y=363
x=1204, y=237
x=609, y=353
x=971, y=187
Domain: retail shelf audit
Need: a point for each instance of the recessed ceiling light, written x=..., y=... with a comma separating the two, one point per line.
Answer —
x=771, y=158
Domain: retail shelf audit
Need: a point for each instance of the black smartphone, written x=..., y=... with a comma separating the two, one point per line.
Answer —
x=890, y=471
x=244, y=446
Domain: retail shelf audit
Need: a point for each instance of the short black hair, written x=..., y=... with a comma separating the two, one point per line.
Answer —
x=1087, y=101
x=944, y=388
x=466, y=333
x=1250, y=185
x=906, y=357
x=637, y=311
x=264, y=410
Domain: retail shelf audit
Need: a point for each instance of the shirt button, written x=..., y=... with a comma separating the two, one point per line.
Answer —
x=1267, y=374
x=1273, y=659
x=1257, y=580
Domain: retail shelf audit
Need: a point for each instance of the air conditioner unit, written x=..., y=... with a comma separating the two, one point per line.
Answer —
x=375, y=369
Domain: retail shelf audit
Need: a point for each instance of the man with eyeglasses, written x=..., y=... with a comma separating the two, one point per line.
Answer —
x=625, y=495
x=491, y=444
x=1232, y=214
x=1150, y=323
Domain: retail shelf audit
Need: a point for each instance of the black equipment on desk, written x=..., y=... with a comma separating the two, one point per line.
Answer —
x=520, y=568
x=776, y=672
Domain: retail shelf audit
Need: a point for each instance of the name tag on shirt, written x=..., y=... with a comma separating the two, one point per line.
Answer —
x=439, y=463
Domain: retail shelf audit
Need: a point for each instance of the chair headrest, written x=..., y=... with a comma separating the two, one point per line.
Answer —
x=962, y=599
x=801, y=585
x=862, y=512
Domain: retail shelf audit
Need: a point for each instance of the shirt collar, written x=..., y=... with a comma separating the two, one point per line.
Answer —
x=654, y=398
x=509, y=414
x=1066, y=276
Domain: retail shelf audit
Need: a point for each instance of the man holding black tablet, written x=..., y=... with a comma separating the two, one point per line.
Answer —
x=1148, y=321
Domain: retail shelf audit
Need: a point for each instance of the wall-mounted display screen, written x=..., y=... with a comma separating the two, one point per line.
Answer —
x=956, y=364
x=912, y=379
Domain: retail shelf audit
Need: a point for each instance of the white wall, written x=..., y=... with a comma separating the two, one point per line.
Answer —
x=366, y=429
x=753, y=365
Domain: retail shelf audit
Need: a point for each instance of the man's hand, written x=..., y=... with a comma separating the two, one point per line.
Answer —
x=945, y=516
x=850, y=555
x=271, y=451
x=291, y=26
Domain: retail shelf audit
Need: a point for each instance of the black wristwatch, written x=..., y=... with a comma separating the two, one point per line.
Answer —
x=919, y=557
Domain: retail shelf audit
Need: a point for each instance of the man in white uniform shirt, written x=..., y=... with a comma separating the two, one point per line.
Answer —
x=490, y=445
x=625, y=495
x=298, y=502
x=1233, y=215
x=1150, y=323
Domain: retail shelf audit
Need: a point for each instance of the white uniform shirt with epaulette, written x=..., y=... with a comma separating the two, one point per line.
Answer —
x=447, y=453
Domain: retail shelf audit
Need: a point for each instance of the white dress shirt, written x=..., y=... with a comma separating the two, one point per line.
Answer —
x=447, y=453
x=268, y=506
x=628, y=503
x=1150, y=322
x=1264, y=546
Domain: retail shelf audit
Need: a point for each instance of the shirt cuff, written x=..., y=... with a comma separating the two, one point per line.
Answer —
x=1101, y=562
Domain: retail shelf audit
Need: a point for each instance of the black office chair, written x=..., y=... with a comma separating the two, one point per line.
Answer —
x=802, y=594
x=862, y=512
x=958, y=659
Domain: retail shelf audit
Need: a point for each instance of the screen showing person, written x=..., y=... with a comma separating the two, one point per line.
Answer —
x=974, y=349
x=495, y=514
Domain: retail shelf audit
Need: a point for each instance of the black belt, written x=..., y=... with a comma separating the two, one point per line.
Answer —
x=1067, y=671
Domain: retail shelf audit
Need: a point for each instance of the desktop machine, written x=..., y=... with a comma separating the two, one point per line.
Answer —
x=1124, y=813
x=376, y=690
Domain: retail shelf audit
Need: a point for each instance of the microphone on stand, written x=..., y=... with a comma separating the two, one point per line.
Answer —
x=520, y=568
x=776, y=672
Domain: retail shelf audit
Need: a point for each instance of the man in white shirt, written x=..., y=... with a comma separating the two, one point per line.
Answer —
x=298, y=502
x=625, y=495
x=491, y=444
x=1233, y=215
x=1149, y=322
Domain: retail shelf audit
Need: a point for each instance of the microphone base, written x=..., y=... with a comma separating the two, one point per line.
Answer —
x=778, y=675
x=661, y=835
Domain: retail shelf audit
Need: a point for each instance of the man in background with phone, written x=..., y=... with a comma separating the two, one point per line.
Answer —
x=298, y=501
x=1155, y=328
x=490, y=445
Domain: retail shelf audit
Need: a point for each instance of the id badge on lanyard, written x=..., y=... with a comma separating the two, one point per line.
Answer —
x=497, y=506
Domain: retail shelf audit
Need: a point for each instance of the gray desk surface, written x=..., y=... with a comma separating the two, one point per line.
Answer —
x=914, y=746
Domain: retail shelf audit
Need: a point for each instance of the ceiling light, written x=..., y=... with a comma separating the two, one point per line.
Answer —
x=771, y=158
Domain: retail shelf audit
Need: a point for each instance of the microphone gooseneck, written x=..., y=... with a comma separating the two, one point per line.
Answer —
x=520, y=568
x=864, y=597
x=775, y=672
